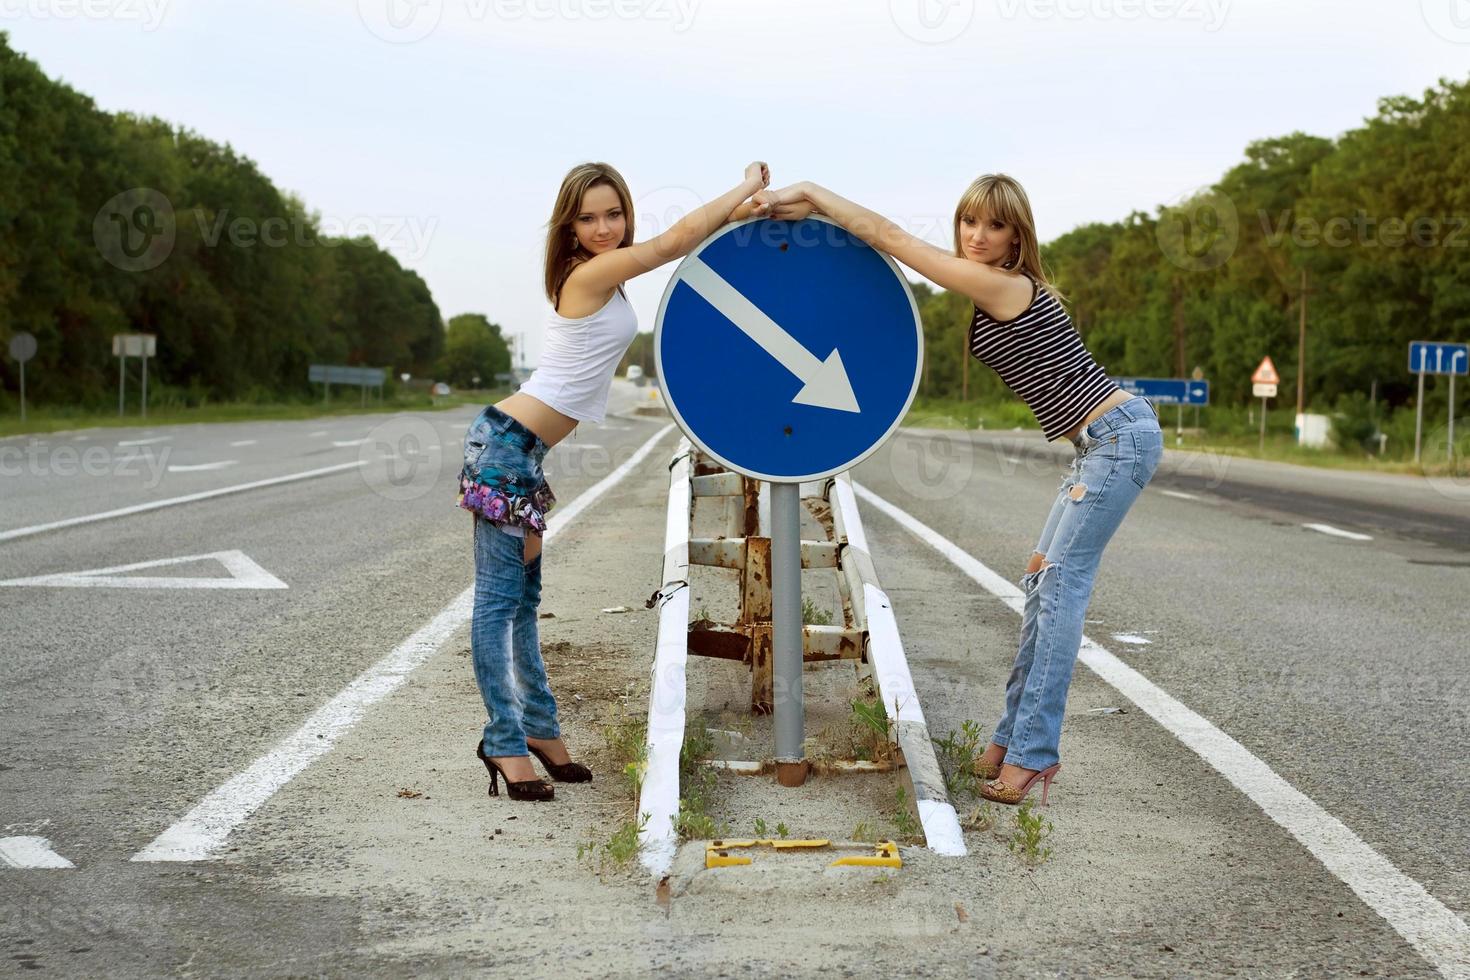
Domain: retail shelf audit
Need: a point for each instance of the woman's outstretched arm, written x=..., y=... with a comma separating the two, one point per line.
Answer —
x=613, y=268
x=983, y=284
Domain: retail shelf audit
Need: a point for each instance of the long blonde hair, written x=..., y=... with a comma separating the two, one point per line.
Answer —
x=562, y=249
x=1001, y=197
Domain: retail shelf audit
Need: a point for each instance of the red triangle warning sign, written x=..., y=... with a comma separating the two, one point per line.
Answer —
x=1266, y=373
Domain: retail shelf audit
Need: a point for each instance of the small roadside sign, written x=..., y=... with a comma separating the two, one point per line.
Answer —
x=1266, y=374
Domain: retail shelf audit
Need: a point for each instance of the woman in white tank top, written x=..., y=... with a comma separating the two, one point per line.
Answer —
x=590, y=254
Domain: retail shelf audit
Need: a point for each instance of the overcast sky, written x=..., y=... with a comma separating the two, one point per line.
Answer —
x=443, y=127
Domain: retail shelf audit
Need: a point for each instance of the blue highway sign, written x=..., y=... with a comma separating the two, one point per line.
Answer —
x=1429, y=357
x=788, y=351
x=1168, y=391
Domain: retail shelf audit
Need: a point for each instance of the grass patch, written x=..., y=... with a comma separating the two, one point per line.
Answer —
x=41, y=420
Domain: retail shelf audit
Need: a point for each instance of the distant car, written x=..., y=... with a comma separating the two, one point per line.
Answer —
x=440, y=388
x=634, y=372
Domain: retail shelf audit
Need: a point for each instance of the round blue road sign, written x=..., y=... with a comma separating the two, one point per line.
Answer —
x=788, y=350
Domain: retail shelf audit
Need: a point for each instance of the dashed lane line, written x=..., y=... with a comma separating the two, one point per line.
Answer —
x=107, y=515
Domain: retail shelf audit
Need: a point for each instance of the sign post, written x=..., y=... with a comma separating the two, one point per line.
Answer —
x=124, y=346
x=23, y=348
x=789, y=352
x=1431, y=357
x=1263, y=386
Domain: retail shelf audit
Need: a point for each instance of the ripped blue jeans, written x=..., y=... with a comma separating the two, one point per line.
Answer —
x=1117, y=455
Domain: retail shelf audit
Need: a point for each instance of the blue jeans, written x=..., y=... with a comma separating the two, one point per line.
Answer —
x=506, y=644
x=1117, y=455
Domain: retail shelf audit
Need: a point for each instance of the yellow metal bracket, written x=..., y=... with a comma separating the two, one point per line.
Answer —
x=717, y=852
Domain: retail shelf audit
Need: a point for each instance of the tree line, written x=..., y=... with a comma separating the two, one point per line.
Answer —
x=116, y=223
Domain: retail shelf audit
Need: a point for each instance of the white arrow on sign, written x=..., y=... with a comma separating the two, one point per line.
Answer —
x=244, y=574
x=825, y=383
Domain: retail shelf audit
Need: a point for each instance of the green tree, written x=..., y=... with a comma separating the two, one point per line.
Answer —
x=473, y=347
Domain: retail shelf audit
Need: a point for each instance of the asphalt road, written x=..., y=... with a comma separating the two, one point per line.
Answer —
x=1339, y=660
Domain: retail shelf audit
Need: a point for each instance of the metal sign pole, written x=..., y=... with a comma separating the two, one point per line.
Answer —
x=1419, y=417
x=1263, y=423
x=22, y=391
x=121, y=383
x=145, y=383
x=1450, y=445
x=786, y=630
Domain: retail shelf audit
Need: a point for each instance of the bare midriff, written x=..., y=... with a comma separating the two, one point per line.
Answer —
x=1103, y=407
x=546, y=422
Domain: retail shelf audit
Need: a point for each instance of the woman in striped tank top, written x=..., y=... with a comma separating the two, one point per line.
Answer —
x=1023, y=333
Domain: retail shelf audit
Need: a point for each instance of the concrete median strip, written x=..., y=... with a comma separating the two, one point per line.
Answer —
x=1434, y=930
x=202, y=832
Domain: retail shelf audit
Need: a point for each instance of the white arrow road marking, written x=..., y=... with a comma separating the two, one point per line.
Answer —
x=1339, y=532
x=825, y=382
x=244, y=574
x=30, y=852
x=198, y=467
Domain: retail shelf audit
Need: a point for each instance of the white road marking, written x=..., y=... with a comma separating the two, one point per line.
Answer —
x=1339, y=532
x=22, y=532
x=143, y=442
x=201, y=832
x=244, y=574
x=1131, y=638
x=200, y=467
x=580, y=445
x=80, y=438
x=1011, y=459
x=1440, y=936
x=319, y=432
x=348, y=442
x=30, y=852
x=245, y=442
x=1176, y=493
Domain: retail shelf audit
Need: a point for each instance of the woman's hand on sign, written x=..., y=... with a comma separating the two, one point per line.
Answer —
x=787, y=204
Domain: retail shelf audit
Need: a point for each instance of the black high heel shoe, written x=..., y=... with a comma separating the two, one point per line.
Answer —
x=525, y=789
x=567, y=772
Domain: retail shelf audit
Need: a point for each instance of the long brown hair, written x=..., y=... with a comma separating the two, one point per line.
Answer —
x=562, y=249
x=1001, y=197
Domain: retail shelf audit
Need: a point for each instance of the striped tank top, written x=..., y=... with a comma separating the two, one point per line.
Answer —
x=1040, y=356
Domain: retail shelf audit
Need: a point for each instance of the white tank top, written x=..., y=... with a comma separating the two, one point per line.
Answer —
x=579, y=357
